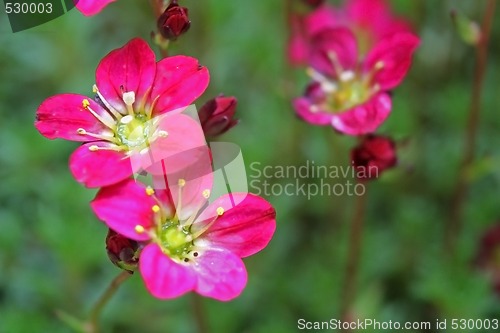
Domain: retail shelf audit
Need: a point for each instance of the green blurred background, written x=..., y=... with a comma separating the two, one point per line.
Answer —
x=52, y=252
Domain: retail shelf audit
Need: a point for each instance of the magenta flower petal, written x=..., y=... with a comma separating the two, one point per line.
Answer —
x=246, y=226
x=123, y=206
x=99, y=168
x=303, y=108
x=298, y=44
x=130, y=68
x=394, y=54
x=61, y=116
x=365, y=118
x=91, y=7
x=220, y=275
x=339, y=43
x=177, y=150
x=375, y=17
x=164, y=278
x=179, y=81
x=324, y=17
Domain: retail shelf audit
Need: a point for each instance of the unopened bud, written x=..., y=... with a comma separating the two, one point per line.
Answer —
x=468, y=30
x=217, y=115
x=122, y=252
x=174, y=21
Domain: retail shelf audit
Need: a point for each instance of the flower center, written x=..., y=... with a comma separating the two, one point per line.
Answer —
x=134, y=131
x=350, y=90
x=130, y=129
x=176, y=240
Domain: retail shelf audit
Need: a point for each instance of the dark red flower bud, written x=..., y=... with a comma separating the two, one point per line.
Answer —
x=374, y=155
x=122, y=251
x=488, y=255
x=216, y=115
x=174, y=21
x=313, y=3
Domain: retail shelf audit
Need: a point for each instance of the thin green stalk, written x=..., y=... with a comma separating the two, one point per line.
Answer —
x=92, y=325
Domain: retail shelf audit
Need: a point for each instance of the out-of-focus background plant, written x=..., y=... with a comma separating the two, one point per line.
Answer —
x=52, y=253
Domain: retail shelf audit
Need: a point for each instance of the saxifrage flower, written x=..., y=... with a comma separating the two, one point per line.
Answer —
x=137, y=107
x=192, y=245
x=374, y=155
x=348, y=94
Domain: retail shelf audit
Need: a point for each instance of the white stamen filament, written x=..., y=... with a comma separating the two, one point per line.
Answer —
x=107, y=136
x=107, y=122
x=115, y=113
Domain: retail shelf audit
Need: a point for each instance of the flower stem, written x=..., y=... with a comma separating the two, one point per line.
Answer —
x=454, y=224
x=92, y=325
x=199, y=314
x=355, y=244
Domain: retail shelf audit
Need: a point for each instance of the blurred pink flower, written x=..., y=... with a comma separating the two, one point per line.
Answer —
x=91, y=7
x=348, y=94
x=192, y=245
x=137, y=108
x=370, y=20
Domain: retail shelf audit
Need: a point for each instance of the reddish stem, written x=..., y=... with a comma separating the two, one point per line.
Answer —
x=454, y=224
x=355, y=244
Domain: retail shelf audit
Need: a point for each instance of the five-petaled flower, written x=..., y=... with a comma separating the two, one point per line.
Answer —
x=192, y=244
x=348, y=94
x=137, y=109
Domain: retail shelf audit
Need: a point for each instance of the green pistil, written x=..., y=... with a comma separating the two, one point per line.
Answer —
x=176, y=240
x=133, y=131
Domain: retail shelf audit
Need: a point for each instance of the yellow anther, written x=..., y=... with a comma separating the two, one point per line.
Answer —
x=155, y=208
x=206, y=193
x=181, y=182
x=220, y=211
x=139, y=229
x=81, y=131
x=150, y=191
x=94, y=89
x=85, y=103
x=94, y=148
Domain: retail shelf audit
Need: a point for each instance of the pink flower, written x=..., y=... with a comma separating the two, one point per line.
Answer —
x=192, y=244
x=91, y=7
x=370, y=20
x=131, y=115
x=350, y=95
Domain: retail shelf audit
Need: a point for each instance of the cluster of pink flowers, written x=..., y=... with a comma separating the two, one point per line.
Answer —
x=355, y=56
x=180, y=237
